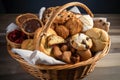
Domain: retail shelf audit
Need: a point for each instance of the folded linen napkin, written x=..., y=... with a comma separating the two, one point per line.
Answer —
x=42, y=9
x=36, y=57
x=75, y=10
x=11, y=27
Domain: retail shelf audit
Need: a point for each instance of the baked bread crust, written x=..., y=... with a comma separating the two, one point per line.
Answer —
x=99, y=37
x=28, y=44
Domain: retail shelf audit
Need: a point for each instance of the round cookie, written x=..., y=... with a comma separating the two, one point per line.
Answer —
x=99, y=37
x=101, y=23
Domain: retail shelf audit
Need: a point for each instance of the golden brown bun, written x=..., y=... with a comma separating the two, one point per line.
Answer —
x=62, y=31
x=66, y=56
x=74, y=25
x=85, y=55
x=28, y=44
x=57, y=53
x=54, y=39
x=43, y=45
x=99, y=37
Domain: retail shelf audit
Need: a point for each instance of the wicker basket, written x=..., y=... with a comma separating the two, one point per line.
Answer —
x=61, y=72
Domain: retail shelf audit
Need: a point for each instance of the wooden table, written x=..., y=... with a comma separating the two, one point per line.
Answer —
x=108, y=68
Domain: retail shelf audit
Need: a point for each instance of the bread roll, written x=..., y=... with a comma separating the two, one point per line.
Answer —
x=28, y=44
x=99, y=37
x=85, y=55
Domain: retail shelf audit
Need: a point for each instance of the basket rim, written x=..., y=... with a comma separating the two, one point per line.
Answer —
x=23, y=15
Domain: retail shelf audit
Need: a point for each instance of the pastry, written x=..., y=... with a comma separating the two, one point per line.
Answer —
x=23, y=17
x=81, y=42
x=85, y=55
x=17, y=36
x=62, y=31
x=101, y=23
x=74, y=25
x=47, y=13
x=87, y=22
x=31, y=25
x=64, y=47
x=66, y=56
x=75, y=59
x=99, y=37
x=60, y=19
x=54, y=39
x=43, y=43
x=28, y=44
x=57, y=53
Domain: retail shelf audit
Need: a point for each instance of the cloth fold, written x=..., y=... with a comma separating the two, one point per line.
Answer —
x=36, y=57
x=11, y=27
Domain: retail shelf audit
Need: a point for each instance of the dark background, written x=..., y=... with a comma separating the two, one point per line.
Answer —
x=23, y=6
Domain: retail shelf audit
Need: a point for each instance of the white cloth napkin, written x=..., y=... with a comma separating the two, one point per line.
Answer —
x=11, y=27
x=41, y=12
x=87, y=22
x=75, y=10
x=36, y=57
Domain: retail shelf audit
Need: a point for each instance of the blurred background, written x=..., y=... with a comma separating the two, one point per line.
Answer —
x=23, y=6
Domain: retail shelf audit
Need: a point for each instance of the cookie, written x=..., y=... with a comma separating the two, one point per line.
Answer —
x=101, y=23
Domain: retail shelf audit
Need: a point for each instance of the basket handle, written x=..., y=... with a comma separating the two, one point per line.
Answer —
x=54, y=15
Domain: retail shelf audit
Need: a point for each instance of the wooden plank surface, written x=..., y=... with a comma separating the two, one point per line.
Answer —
x=108, y=68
